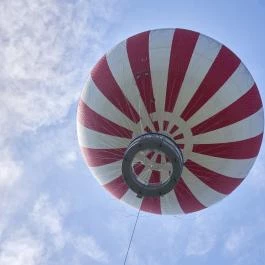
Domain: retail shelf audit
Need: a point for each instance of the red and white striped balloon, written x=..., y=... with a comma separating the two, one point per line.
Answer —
x=183, y=84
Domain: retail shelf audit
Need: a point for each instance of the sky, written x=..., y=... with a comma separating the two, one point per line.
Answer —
x=52, y=210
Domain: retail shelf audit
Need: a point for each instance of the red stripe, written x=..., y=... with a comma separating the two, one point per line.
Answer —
x=151, y=204
x=158, y=159
x=156, y=125
x=138, y=53
x=186, y=199
x=165, y=125
x=150, y=155
x=216, y=181
x=179, y=136
x=90, y=119
x=155, y=177
x=173, y=129
x=147, y=129
x=245, y=106
x=105, y=82
x=182, y=48
x=100, y=157
x=244, y=149
x=117, y=187
x=222, y=68
x=138, y=168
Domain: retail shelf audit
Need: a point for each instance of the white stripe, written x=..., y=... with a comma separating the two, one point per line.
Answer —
x=235, y=87
x=93, y=139
x=204, y=54
x=160, y=42
x=170, y=204
x=236, y=168
x=119, y=65
x=145, y=175
x=93, y=97
x=106, y=173
x=242, y=130
x=203, y=193
x=131, y=198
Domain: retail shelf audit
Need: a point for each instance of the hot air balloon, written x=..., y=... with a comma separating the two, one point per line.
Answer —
x=170, y=121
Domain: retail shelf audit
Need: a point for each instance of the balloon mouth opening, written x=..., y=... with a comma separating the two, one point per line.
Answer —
x=152, y=165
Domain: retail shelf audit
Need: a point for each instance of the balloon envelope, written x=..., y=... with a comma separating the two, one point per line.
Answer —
x=186, y=86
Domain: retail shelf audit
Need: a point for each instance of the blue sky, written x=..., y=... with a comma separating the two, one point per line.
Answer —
x=52, y=211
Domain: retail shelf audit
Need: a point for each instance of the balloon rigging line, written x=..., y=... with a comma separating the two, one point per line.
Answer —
x=141, y=124
x=129, y=246
x=143, y=82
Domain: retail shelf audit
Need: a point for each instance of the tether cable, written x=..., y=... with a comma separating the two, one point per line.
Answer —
x=129, y=246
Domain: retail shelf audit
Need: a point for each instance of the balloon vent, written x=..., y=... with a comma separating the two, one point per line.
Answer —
x=152, y=165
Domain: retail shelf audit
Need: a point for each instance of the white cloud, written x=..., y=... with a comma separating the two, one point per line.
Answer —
x=11, y=191
x=87, y=246
x=10, y=170
x=46, y=51
x=67, y=159
x=31, y=50
x=58, y=144
x=135, y=258
x=235, y=240
x=21, y=249
x=245, y=237
x=200, y=243
x=48, y=221
x=44, y=235
x=202, y=236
